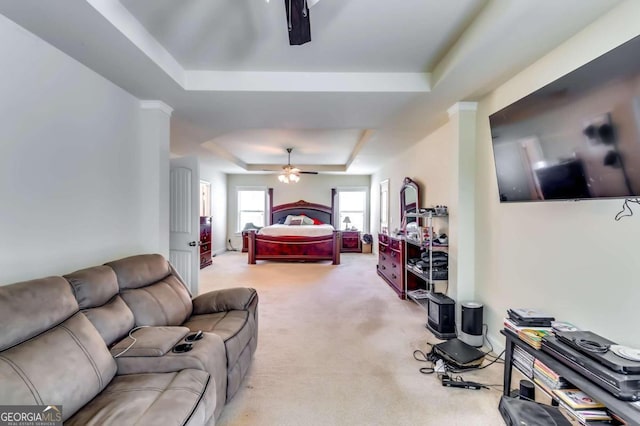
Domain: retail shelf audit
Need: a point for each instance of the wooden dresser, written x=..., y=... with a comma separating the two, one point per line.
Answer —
x=391, y=262
x=205, y=241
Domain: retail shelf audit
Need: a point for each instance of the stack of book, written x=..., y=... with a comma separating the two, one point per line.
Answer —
x=524, y=361
x=548, y=379
x=531, y=325
x=532, y=337
x=581, y=406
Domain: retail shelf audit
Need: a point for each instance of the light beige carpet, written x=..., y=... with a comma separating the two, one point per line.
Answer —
x=335, y=347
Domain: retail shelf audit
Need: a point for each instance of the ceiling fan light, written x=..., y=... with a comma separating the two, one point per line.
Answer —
x=290, y=174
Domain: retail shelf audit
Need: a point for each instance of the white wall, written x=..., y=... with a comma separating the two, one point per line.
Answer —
x=569, y=258
x=69, y=187
x=311, y=188
x=218, y=181
x=429, y=162
x=153, y=174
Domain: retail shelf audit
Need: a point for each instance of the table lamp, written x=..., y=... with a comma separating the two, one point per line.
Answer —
x=346, y=222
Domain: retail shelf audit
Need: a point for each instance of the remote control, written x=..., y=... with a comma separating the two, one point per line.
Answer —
x=461, y=384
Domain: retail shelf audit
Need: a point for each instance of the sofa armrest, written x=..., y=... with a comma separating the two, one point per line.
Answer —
x=228, y=299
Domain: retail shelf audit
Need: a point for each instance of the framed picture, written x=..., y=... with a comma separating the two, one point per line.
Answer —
x=384, y=206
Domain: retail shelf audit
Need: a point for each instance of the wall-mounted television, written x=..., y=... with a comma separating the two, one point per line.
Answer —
x=576, y=138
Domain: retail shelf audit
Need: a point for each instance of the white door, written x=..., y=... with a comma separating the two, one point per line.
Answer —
x=184, y=220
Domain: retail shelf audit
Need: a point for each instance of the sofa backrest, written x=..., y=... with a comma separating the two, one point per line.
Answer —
x=96, y=291
x=151, y=289
x=50, y=353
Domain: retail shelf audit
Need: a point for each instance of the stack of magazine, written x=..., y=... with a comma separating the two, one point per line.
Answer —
x=524, y=361
x=581, y=406
x=548, y=379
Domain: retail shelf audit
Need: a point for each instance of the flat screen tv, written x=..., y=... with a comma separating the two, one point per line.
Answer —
x=576, y=138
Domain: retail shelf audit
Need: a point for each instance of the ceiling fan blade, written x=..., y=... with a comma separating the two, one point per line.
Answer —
x=307, y=173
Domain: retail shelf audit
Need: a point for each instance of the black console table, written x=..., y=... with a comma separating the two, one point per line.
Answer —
x=624, y=409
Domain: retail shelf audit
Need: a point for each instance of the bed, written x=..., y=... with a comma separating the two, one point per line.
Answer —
x=309, y=243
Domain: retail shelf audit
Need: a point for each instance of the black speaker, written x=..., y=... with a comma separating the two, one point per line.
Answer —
x=527, y=390
x=471, y=330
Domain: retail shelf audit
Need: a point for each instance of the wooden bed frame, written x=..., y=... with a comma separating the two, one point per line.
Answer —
x=297, y=248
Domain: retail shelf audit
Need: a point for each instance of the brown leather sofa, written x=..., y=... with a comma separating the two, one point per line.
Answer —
x=101, y=342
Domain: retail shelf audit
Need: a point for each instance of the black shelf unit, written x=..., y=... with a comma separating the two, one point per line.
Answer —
x=626, y=410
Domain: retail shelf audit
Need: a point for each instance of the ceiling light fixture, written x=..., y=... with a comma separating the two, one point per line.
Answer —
x=290, y=174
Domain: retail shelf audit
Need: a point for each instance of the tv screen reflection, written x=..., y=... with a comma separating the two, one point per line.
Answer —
x=576, y=138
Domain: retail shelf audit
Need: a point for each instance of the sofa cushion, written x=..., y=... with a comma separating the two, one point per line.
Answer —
x=165, y=302
x=93, y=286
x=96, y=290
x=30, y=307
x=112, y=320
x=67, y=365
x=155, y=295
x=140, y=271
x=183, y=397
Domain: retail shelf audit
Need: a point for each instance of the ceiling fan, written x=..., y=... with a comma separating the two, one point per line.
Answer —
x=291, y=173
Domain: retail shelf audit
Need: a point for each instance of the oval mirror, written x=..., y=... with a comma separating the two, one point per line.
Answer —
x=409, y=199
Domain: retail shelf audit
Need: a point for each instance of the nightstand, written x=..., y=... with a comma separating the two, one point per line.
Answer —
x=350, y=242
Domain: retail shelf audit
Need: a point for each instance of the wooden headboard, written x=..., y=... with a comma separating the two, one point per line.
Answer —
x=313, y=210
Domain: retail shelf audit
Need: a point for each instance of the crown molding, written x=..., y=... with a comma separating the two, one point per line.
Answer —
x=159, y=105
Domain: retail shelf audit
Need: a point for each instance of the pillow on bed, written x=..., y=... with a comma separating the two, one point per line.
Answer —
x=281, y=220
x=304, y=220
x=293, y=222
x=317, y=221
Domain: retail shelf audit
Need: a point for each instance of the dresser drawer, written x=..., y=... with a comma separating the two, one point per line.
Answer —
x=390, y=262
x=395, y=256
x=395, y=276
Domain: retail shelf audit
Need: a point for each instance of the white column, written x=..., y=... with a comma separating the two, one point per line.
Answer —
x=155, y=126
x=462, y=116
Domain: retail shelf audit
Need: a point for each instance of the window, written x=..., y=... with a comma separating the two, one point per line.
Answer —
x=251, y=207
x=353, y=203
